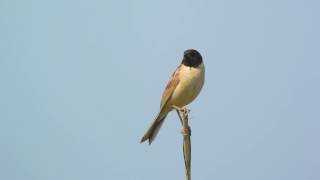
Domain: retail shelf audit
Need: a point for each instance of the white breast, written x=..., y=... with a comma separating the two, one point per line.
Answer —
x=190, y=83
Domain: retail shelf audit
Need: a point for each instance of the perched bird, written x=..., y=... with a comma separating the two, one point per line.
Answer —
x=183, y=87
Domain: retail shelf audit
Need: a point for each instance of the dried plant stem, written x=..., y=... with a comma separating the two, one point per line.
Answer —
x=186, y=133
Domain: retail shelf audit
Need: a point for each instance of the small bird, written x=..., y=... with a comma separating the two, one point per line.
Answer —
x=183, y=87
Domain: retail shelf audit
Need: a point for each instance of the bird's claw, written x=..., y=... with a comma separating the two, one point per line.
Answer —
x=183, y=110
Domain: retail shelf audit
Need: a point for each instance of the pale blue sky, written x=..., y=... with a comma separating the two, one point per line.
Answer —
x=82, y=80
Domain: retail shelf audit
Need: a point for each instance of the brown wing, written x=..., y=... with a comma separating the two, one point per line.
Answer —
x=171, y=86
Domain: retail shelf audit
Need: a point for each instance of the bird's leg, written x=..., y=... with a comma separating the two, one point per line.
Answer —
x=176, y=107
x=178, y=110
x=181, y=109
x=186, y=130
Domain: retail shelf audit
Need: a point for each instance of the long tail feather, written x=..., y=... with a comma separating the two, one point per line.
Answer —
x=153, y=130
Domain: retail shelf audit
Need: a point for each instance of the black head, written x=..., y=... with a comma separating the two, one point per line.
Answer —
x=192, y=58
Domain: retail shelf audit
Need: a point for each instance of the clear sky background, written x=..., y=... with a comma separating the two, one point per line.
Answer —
x=82, y=80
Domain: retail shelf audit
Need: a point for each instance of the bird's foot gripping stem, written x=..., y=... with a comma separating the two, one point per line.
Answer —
x=182, y=110
x=183, y=116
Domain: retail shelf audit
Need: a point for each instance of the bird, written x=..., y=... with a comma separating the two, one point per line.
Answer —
x=183, y=87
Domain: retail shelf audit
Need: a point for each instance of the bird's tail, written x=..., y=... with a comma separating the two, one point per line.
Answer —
x=153, y=130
